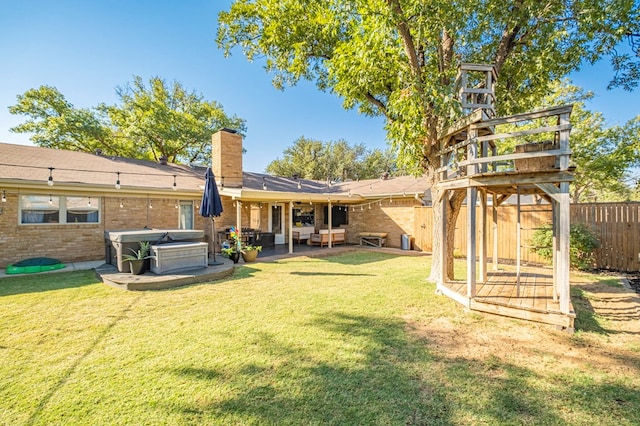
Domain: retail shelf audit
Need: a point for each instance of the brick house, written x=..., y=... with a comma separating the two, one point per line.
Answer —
x=58, y=203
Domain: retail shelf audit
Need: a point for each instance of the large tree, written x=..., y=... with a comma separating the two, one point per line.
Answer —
x=399, y=58
x=158, y=120
x=313, y=159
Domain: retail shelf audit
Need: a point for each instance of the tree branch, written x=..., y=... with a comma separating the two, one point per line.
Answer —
x=377, y=102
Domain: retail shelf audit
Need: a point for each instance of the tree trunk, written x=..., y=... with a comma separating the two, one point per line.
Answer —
x=454, y=203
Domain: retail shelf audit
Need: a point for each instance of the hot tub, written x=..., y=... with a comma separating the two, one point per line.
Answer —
x=118, y=243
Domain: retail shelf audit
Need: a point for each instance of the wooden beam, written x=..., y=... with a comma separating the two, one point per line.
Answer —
x=519, y=246
x=494, y=224
x=564, y=263
x=472, y=194
x=547, y=112
x=518, y=156
x=482, y=236
x=537, y=130
x=550, y=189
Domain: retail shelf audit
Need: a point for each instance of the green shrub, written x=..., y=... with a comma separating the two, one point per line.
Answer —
x=583, y=243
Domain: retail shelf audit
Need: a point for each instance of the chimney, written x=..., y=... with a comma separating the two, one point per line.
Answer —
x=226, y=157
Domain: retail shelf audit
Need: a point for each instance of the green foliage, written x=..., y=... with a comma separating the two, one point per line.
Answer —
x=399, y=58
x=313, y=159
x=583, y=242
x=141, y=253
x=158, y=120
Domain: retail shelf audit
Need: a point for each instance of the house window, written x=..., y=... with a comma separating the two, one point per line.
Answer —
x=40, y=209
x=339, y=215
x=82, y=209
x=47, y=209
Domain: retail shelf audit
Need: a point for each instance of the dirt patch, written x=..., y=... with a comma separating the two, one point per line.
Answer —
x=607, y=335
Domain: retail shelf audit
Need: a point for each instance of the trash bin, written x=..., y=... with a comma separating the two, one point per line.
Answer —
x=405, y=242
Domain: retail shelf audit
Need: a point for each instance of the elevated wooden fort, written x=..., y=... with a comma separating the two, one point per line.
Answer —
x=498, y=157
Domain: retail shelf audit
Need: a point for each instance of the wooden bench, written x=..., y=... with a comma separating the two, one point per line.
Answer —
x=374, y=239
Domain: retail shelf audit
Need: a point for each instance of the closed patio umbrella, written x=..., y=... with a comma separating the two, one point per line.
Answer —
x=211, y=206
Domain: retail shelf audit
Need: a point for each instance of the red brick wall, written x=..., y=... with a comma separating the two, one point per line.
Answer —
x=395, y=218
x=77, y=243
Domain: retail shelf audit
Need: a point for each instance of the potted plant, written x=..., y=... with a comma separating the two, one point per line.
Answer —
x=237, y=249
x=231, y=252
x=250, y=253
x=139, y=258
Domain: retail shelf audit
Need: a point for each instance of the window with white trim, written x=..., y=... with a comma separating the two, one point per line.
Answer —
x=48, y=209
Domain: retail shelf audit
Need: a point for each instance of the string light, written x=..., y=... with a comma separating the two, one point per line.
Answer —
x=4, y=196
x=264, y=184
x=299, y=185
x=118, y=181
x=150, y=204
x=50, y=181
x=50, y=199
x=121, y=203
x=89, y=203
x=175, y=187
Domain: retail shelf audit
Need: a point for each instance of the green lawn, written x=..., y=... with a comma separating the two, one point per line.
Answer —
x=354, y=339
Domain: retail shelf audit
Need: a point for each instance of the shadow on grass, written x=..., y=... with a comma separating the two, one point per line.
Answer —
x=330, y=274
x=492, y=391
x=359, y=257
x=379, y=382
x=395, y=377
x=35, y=283
x=69, y=371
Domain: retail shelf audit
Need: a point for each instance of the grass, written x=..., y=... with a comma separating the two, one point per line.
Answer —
x=331, y=341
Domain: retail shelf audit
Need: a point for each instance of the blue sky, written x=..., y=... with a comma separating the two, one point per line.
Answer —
x=87, y=48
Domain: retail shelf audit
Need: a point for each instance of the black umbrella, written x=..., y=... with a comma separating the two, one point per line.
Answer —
x=211, y=206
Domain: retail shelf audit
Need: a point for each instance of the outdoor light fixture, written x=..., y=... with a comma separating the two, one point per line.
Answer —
x=118, y=181
x=4, y=196
x=299, y=185
x=150, y=204
x=50, y=199
x=89, y=203
x=50, y=182
x=121, y=203
x=175, y=187
x=264, y=184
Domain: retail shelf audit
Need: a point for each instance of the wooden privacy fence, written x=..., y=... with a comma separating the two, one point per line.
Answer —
x=617, y=226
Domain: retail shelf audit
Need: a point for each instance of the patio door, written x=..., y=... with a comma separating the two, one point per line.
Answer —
x=276, y=222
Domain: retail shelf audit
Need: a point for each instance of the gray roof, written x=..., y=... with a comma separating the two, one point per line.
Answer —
x=22, y=164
